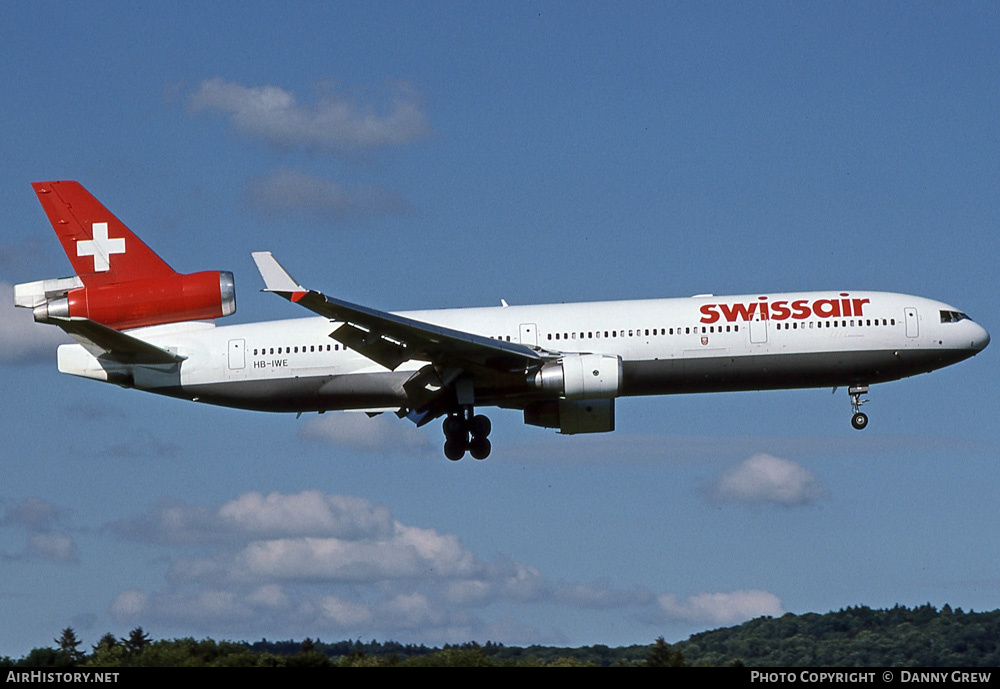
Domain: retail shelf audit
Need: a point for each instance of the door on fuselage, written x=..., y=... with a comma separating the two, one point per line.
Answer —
x=912, y=322
x=237, y=359
x=529, y=334
x=758, y=330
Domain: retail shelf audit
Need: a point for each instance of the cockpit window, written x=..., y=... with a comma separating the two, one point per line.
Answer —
x=953, y=317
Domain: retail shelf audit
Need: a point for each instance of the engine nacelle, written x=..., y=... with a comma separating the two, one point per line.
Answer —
x=138, y=303
x=573, y=416
x=581, y=377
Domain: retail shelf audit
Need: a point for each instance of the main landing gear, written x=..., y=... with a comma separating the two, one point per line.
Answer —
x=464, y=431
x=860, y=419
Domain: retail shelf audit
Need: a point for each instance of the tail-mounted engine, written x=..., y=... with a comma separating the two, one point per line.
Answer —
x=580, y=377
x=132, y=304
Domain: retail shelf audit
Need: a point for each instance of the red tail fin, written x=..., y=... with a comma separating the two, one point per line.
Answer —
x=102, y=250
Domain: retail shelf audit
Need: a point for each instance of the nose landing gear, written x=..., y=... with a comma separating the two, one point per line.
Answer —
x=466, y=431
x=860, y=419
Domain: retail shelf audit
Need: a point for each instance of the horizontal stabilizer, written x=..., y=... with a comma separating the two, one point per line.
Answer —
x=112, y=345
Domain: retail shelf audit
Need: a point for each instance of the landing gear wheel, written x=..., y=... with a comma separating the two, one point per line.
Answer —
x=454, y=450
x=480, y=448
x=466, y=432
x=859, y=420
x=480, y=426
x=452, y=427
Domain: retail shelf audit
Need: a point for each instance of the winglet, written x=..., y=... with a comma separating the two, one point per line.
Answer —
x=276, y=278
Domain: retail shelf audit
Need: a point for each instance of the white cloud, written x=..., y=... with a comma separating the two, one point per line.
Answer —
x=342, y=613
x=254, y=516
x=33, y=513
x=130, y=604
x=293, y=191
x=44, y=542
x=767, y=479
x=336, y=560
x=316, y=564
x=333, y=124
x=227, y=609
x=357, y=431
x=307, y=513
x=53, y=546
x=721, y=608
x=22, y=340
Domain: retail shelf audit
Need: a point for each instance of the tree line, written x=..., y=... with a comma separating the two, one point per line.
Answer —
x=852, y=637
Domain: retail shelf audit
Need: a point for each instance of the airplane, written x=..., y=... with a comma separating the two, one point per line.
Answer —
x=139, y=324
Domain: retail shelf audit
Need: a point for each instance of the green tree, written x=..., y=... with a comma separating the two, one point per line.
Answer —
x=309, y=656
x=137, y=642
x=109, y=640
x=108, y=653
x=70, y=645
x=662, y=654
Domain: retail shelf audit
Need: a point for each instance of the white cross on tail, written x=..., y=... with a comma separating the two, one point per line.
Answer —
x=101, y=247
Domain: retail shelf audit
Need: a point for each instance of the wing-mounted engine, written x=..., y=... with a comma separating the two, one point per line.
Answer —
x=132, y=304
x=580, y=377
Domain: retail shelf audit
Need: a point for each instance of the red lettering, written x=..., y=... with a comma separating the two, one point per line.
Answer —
x=824, y=308
x=780, y=310
x=741, y=310
x=762, y=308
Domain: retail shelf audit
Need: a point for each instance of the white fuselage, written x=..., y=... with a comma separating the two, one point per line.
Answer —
x=698, y=344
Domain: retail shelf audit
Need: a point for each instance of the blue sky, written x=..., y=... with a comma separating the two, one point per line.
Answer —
x=455, y=155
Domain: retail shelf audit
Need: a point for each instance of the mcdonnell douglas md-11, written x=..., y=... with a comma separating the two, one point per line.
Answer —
x=140, y=324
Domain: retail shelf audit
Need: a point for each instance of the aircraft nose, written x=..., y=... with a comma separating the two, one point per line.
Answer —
x=980, y=338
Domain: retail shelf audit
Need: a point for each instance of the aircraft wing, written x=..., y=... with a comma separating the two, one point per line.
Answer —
x=389, y=339
x=111, y=345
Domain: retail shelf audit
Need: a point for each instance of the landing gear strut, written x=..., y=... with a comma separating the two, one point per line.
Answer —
x=466, y=431
x=860, y=419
